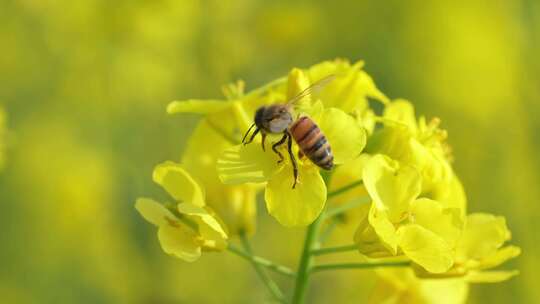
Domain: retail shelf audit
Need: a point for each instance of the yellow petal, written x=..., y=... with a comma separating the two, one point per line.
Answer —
x=367, y=119
x=502, y=255
x=210, y=229
x=180, y=242
x=401, y=111
x=153, y=211
x=483, y=235
x=345, y=135
x=296, y=83
x=490, y=276
x=452, y=195
x=384, y=228
x=178, y=183
x=299, y=206
x=196, y=106
x=431, y=163
x=425, y=248
x=246, y=164
x=366, y=83
x=392, y=140
x=314, y=111
x=366, y=238
x=392, y=188
x=444, y=222
x=350, y=88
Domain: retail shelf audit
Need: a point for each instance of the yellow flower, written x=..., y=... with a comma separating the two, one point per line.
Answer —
x=419, y=144
x=419, y=228
x=221, y=128
x=430, y=233
x=478, y=249
x=481, y=248
x=299, y=206
x=189, y=227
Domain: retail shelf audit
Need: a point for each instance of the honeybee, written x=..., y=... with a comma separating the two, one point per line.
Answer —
x=278, y=119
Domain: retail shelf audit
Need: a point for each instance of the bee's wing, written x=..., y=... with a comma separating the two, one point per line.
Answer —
x=311, y=89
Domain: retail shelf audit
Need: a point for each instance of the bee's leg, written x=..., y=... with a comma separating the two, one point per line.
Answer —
x=277, y=144
x=245, y=135
x=263, y=140
x=252, y=136
x=293, y=160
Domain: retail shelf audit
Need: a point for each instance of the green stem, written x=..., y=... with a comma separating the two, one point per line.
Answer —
x=347, y=206
x=262, y=261
x=302, y=275
x=334, y=249
x=325, y=267
x=344, y=189
x=270, y=284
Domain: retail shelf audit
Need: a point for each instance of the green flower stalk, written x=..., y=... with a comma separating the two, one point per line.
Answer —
x=393, y=180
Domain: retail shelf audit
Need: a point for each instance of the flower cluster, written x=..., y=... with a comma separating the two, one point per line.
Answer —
x=418, y=209
x=187, y=227
x=414, y=207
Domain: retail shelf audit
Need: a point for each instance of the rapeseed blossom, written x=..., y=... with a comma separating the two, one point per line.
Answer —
x=408, y=205
x=420, y=228
x=418, y=208
x=187, y=227
x=478, y=250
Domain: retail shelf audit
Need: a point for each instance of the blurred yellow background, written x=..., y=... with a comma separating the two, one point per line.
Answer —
x=84, y=85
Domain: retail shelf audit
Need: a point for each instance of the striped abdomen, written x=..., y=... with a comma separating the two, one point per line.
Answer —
x=312, y=142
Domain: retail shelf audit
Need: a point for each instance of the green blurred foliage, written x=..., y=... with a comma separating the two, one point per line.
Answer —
x=84, y=85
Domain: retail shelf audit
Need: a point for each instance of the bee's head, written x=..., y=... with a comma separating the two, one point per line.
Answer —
x=274, y=118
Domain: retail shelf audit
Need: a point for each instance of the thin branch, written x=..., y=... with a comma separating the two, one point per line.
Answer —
x=262, y=261
x=337, y=249
x=369, y=265
x=270, y=284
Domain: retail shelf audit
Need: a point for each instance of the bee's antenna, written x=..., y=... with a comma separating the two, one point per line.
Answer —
x=249, y=130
